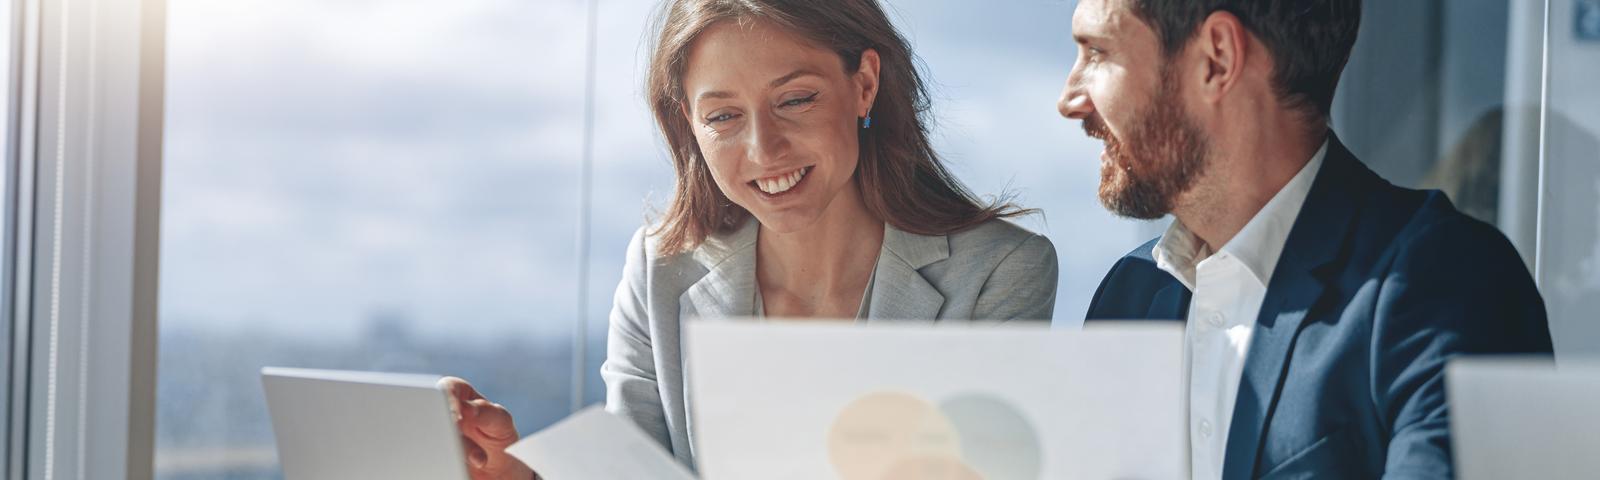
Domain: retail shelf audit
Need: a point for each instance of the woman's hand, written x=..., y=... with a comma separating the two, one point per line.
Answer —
x=486, y=431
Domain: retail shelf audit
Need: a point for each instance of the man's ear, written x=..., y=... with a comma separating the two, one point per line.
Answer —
x=866, y=77
x=1222, y=45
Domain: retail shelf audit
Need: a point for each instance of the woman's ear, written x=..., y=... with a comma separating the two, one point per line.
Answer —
x=867, y=80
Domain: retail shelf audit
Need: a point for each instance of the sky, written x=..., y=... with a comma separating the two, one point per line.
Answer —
x=333, y=161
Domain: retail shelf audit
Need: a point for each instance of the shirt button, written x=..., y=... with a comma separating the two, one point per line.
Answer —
x=1205, y=428
x=1214, y=319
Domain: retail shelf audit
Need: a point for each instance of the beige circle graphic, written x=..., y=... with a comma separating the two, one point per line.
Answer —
x=888, y=433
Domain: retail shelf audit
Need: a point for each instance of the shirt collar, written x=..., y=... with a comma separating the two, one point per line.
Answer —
x=1258, y=245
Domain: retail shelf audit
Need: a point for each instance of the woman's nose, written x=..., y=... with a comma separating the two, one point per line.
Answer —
x=767, y=141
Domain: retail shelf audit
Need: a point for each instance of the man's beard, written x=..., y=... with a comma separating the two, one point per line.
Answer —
x=1161, y=158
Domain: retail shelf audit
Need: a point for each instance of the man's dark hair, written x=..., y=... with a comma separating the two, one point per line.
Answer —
x=1310, y=40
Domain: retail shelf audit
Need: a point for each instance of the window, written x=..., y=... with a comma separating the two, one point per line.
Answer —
x=364, y=185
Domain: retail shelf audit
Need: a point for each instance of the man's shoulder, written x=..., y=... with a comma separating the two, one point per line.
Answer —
x=1437, y=230
x=1129, y=287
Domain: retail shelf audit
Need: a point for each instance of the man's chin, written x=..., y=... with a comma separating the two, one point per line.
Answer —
x=1126, y=204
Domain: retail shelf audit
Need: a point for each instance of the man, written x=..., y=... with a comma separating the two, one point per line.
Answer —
x=1321, y=302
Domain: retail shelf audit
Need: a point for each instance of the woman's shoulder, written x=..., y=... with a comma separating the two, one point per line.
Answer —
x=646, y=246
x=1002, y=238
x=644, y=252
x=648, y=265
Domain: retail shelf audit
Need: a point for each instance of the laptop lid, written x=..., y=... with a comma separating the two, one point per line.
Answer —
x=1524, y=418
x=345, y=425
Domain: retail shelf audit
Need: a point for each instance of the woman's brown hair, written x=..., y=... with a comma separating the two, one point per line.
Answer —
x=899, y=175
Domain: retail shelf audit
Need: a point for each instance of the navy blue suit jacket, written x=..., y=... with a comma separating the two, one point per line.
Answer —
x=1377, y=287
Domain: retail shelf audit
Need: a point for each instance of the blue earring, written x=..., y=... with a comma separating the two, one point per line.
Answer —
x=866, y=123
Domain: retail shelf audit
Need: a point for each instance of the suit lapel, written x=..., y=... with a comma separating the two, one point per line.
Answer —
x=1171, y=303
x=899, y=291
x=1316, y=241
x=727, y=289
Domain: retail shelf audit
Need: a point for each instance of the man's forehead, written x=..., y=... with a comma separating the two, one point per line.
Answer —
x=1102, y=18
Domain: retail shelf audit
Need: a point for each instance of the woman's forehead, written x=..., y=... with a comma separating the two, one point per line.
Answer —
x=751, y=54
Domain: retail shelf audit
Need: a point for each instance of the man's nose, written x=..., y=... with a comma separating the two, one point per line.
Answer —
x=1074, y=103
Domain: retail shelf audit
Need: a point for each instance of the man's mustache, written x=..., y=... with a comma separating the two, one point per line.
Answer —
x=1094, y=127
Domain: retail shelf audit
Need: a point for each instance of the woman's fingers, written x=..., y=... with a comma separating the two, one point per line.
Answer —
x=476, y=456
x=492, y=423
x=486, y=430
x=485, y=422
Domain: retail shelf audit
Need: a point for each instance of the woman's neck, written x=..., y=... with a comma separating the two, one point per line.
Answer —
x=823, y=269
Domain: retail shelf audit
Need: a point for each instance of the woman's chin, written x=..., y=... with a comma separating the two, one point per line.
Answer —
x=786, y=221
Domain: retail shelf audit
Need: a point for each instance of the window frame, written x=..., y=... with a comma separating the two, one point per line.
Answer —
x=81, y=254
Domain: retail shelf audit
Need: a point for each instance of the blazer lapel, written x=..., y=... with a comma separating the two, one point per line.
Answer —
x=899, y=291
x=1170, y=303
x=728, y=287
x=1316, y=241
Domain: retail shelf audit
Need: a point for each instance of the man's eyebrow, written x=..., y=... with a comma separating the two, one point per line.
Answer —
x=1083, y=38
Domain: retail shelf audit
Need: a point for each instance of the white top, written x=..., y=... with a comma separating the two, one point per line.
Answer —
x=1228, y=288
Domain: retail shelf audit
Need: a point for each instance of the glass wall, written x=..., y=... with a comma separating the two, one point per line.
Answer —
x=1569, y=220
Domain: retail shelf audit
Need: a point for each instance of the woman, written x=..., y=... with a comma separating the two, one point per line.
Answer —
x=806, y=189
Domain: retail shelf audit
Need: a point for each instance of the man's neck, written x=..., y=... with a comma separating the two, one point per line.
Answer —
x=1242, y=177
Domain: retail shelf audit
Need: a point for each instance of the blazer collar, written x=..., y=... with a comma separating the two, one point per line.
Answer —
x=728, y=287
x=899, y=291
x=1316, y=245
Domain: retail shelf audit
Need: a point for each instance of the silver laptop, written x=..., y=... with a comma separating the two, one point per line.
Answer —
x=355, y=425
x=1524, y=418
x=807, y=400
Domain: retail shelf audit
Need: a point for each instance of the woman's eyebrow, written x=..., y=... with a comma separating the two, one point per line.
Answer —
x=801, y=72
x=716, y=94
x=778, y=82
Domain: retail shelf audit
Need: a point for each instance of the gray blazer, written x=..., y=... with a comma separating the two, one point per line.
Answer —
x=995, y=271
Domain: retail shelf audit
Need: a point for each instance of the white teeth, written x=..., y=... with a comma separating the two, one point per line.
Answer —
x=781, y=183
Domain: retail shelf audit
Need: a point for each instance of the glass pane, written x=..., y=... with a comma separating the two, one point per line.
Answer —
x=1569, y=254
x=1422, y=99
x=363, y=184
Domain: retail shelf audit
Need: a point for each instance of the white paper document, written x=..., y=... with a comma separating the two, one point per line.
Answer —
x=594, y=444
x=808, y=400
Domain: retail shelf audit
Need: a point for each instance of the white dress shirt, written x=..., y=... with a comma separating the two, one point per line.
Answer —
x=1228, y=288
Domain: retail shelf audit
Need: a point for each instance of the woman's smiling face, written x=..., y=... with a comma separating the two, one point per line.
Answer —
x=776, y=120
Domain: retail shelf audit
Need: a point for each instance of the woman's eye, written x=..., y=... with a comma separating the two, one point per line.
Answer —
x=720, y=118
x=800, y=101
